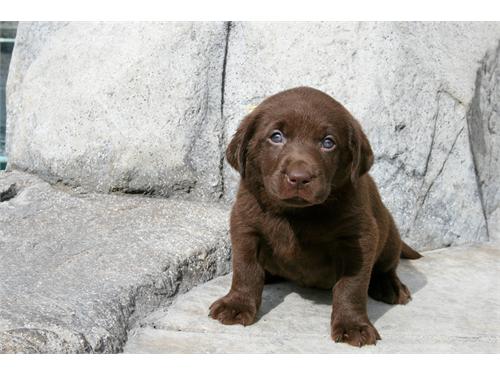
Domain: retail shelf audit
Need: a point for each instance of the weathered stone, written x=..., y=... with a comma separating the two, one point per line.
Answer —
x=119, y=106
x=446, y=314
x=137, y=107
x=409, y=84
x=484, y=128
x=149, y=107
x=77, y=269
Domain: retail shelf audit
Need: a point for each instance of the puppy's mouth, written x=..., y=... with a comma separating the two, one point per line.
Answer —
x=296, y=201
x=298, y=197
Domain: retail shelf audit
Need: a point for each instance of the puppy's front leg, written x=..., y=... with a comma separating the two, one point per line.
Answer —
x=350, y=321
x=241, y=304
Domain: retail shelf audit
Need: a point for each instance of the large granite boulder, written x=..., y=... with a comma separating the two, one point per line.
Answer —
x=133, y=107
x=409, y=84
x=484, y=121
x=150, y=107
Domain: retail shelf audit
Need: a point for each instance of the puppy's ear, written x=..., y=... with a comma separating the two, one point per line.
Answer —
x=236, y=151
x=361, y=151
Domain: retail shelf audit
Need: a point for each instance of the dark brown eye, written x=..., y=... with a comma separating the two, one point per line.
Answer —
x=327, y=143
x=276, y=137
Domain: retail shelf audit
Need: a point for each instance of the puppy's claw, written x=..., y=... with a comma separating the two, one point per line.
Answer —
x=355, y=334
x=230, y=311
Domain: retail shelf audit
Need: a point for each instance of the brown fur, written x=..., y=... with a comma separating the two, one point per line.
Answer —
x=310, y=213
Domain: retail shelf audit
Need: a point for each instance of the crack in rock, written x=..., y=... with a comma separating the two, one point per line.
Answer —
x=9, y=193
x=433, y=137
x=223, y=135
x=424, y=198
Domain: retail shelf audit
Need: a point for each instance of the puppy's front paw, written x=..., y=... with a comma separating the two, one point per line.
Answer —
x=233, y=309
x=354, y=333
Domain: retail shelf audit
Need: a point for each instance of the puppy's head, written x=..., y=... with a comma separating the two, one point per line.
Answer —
x=297, y=146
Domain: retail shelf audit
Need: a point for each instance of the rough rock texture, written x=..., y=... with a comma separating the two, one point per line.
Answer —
x=119, y=106
x=149, y=107
x=446, y=315
x=77, y=269
x=409, y=84
x=484, y=129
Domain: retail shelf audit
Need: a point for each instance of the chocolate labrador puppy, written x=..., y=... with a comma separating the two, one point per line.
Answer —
x=308, y=211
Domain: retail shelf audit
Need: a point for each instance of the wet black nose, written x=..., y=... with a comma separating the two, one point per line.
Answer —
x=298, y=177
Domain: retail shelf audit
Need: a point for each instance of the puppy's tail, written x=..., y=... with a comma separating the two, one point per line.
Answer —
x=408, y=253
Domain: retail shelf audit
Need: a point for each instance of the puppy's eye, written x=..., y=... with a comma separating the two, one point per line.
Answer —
x=327, y=143
x=276, y=137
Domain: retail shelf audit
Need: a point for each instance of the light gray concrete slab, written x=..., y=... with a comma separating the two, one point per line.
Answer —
x=77, y=270
x=455, y=309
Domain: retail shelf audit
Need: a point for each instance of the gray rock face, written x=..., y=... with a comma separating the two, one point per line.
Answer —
x=484, y=128
x=150, y=107
x=119, y=106
x=297, y=320
x=77, y=270
x=409, y=84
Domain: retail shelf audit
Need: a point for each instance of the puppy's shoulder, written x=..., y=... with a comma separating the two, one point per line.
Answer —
x=246, y=208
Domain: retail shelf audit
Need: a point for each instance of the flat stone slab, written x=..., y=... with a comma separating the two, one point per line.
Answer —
x=77, y=269
x=455, y=309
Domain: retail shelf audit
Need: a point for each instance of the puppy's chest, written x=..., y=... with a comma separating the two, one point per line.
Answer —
x=305, y=252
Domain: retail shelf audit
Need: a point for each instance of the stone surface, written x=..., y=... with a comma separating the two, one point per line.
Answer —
x=77, y=270
x=455, y=309
x=409, y=84
x=484, y=130
x=149, y=107
x=119, y=106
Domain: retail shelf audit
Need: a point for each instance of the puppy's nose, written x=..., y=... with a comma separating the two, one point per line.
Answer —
x=298, y=178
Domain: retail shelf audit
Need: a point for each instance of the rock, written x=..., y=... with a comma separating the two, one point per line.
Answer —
x=409, y=84
x=78, y=269
x=444, y=285
x=484, y=131
x=131, y=107
x=149, y=108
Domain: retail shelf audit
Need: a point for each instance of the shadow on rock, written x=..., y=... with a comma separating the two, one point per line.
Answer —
x=275, y=293
x=410, y=276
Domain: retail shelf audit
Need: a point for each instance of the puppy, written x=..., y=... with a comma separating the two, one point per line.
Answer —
x=308, y=211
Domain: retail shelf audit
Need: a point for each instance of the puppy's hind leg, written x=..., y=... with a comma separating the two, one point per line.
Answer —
x=386, y=287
